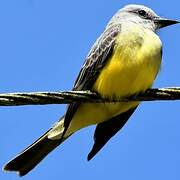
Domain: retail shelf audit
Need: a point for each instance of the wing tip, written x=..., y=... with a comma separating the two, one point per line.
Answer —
x=90, y=156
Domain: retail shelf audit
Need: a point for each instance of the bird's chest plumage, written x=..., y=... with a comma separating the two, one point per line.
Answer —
x=130, y=69
x=133, y=66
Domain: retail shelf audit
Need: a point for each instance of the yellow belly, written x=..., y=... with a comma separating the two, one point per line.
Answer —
x=132, y=68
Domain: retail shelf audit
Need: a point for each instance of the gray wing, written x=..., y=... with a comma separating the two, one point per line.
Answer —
x=97, y=58
x=95, y=61
x=105, y=130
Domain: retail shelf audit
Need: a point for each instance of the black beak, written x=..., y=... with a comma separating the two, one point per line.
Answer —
x=162, y=22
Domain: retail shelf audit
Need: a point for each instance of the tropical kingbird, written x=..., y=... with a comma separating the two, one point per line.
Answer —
x=124, y=61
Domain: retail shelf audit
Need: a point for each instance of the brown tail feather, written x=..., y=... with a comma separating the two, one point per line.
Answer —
x=31, y=156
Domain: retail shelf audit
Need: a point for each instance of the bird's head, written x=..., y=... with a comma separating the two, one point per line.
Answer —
x=143, y=15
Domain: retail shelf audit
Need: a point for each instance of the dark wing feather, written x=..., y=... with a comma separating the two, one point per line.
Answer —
x=94, y=62
x=105, y=130
x=96, y=58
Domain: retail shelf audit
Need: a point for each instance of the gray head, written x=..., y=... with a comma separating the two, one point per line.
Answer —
x=142, y=15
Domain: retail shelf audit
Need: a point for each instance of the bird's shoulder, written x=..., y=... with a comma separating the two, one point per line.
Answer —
x=97, y=57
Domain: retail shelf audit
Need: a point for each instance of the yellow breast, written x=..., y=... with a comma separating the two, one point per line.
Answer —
x=133, y=66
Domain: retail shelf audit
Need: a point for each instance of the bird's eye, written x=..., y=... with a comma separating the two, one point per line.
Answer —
x=142, y=13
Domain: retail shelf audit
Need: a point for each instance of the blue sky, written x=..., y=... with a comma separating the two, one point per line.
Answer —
x=42, y=47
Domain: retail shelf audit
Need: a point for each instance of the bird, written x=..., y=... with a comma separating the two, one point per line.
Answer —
x=123, y=61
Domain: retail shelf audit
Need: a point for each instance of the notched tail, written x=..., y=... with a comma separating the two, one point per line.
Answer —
x=35, y=153
x=31, y=156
